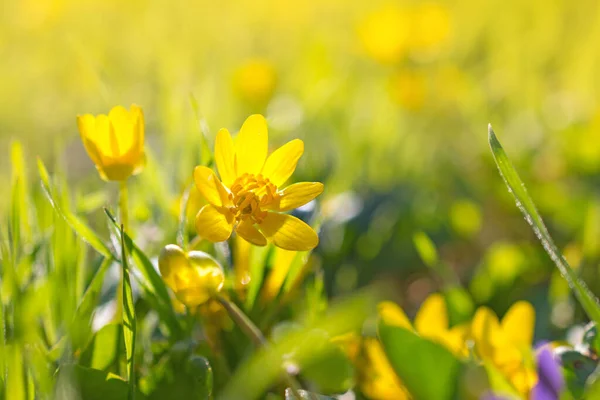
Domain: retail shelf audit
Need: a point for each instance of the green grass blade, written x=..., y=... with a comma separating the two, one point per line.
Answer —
x=182, y=237
x=19, y=173
x=128, y=318
x=205, y=153
x=264, y=368
x=524, y=202
x=154, y=286
x=78, y=226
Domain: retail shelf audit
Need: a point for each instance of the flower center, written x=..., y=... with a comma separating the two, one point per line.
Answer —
x=250, y=193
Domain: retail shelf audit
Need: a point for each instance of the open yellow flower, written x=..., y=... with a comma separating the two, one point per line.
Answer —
x=115, y=142
x=248, y=197
x=507, y=344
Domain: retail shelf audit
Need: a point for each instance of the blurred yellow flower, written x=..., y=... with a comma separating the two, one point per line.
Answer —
x=115, y=142
x=392, y=32
x=409, y=89
x=431, y=26
x=255, y=81
x=194, y=277
x=507, y=344
x=248, y=194
x=385, y=33
x=374, y=374
x=431, y=322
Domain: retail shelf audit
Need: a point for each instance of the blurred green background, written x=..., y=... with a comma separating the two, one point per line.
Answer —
x=392, y=100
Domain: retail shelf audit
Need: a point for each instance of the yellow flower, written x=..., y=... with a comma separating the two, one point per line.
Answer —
x=115, y=142
x=385, y=33
x=194, y=277
x=431, y=322
x=507, y=344
x=248, y=196
x=255, y=81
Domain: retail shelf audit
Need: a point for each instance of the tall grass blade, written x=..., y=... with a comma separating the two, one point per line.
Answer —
x=524, y=202
x=78, y=226
x=153, y=285
x=128, y=317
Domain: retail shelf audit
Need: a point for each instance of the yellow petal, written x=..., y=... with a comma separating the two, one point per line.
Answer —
x=456, y=340
x=194, y=277
x=124, y=125
x=281, y=265
x=485, y=330
x=518, y=324
x=289, y=232
x=391, y=314
x=252, y=145
x=87, y=129
x=247, y=231
x=282, y=162
x=139, y=127
x=225, y=157
x=432, y=319
x=102, y=137
x=297, y=195
x=209, y=186
x=213, y=224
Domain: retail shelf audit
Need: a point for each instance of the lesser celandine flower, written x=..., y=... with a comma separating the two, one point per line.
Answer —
x=115, y=142
x=507, y=344
x=248, y=197
x=255, y=81
x=194, y=277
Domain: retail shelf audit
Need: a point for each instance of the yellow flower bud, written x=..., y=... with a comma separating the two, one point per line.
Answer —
x=194, y=277
x=115, y=142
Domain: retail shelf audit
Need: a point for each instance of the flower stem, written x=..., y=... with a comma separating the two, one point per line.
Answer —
x=123, y=205
x=257, y=338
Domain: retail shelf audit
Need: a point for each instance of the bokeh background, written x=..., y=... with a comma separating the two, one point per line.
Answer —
x=392, y=100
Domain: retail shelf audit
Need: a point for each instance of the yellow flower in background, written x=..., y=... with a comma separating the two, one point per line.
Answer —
x=431, y=26
x=255, y=81
x=409, y=89
x=194, y=277
x=392, y=32
x=375, y=376
x=507, y=344
x=248, y=198
x=431, y=322
x=385, y=33
x=115, y=142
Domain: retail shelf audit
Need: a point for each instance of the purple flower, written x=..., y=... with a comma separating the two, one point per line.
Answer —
x=550, y=379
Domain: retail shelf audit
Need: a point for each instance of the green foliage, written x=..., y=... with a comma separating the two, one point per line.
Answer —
x=524, y=202
x=432, y=372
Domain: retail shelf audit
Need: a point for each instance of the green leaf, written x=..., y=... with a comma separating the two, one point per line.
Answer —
x=75, y=381
x=129, y=322
x=524, y=202
x=153, y=286
x=331, y=373
x=182, y=237
x=103, y=351
x=264, y=368
x=205, y=153
x=78, y=226
x=428, y=370
x=304, y=395
x=193, y=379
